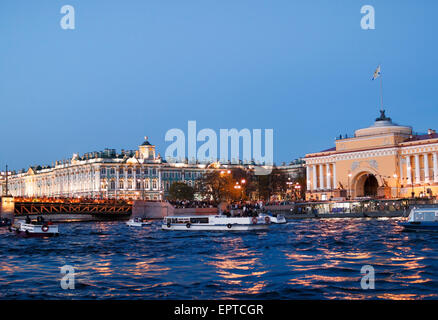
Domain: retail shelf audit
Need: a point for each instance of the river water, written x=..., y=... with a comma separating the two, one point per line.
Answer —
x=304, y=259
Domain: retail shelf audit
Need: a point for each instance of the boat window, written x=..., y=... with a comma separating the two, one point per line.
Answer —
x=198, y=220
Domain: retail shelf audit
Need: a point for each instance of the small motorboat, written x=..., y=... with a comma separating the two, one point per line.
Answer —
x=216, y=223
x=138, y=222
x=422, y=219
x=24, y=229
x=5, y=222
x=275, y=218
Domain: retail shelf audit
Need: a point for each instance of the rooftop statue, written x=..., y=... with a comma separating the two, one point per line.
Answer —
x=383, y=117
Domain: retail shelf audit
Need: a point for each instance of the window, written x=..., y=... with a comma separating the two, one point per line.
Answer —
x=102, y=171
x=121, y=185
x=112, y=171
x=129, y=171
x=138, y=185
x=137, y=171
x=154, y=184
x=121, y=171
x=146, y=171
x=112, y=185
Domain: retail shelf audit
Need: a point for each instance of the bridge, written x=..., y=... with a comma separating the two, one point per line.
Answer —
x=76, y=209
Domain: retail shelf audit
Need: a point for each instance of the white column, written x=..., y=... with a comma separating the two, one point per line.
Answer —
x=321, y=177
x=97, y=178
x=401, y=170
x=435, y=167
x=315, y=181
x=408, y=170
x=117, y=180
x=134, y=175
x=335, y=181
x=328, y=175
x=426, y=167
x=308, y=177
x=417, y=169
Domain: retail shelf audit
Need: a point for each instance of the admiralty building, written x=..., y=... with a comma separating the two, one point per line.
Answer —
x=130, y=174
x=385, y=160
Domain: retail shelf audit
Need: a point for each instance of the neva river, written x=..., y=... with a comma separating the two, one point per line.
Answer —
x=308, y=259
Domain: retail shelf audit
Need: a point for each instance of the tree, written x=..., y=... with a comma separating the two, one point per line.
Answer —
x=216, y=185
x=268, y=185
x=180, y=191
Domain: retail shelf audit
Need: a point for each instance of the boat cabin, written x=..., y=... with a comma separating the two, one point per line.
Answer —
x=423, y=215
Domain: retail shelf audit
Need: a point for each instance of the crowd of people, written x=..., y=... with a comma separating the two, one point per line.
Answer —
x=193, y=204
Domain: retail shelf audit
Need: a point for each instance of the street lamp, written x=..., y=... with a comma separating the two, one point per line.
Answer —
x=396, y=184
x=289, y=185
x=239, y=187
x=412, y=183
x=297, y=191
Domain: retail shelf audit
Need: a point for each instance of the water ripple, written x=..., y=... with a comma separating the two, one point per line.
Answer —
x=308, y=259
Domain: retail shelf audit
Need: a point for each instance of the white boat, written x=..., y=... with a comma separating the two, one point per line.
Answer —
x=138, y=222
x=278, y=218
x=422, y=219
x=217, y=223
x=24, y=229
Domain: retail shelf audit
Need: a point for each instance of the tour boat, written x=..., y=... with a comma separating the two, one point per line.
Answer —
x=138, y=222
x=278, y=218
x=422, y=219
x=218, y=223
x=24, y=229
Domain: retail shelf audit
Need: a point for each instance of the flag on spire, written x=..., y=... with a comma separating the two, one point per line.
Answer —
x=376, y=73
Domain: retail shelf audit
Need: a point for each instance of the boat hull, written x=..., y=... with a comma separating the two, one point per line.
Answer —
x=420, y=226
x=234, y=227
x=25, y=234
x=29, y=230
x=138, y=224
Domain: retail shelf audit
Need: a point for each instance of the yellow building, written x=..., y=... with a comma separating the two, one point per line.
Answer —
x=385, y=160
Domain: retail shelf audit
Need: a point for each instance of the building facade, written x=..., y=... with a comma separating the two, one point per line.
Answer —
x=385, y=160
x=130, y=174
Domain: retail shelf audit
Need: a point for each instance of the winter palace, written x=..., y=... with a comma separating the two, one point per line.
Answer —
x=130, y=174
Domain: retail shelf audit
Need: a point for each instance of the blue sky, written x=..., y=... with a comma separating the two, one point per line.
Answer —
x=136, y=68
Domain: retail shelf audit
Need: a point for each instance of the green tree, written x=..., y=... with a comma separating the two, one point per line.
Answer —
x=216, y=185
x=181, y=191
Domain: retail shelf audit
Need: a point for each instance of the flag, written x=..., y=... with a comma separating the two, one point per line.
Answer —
x=376, y=73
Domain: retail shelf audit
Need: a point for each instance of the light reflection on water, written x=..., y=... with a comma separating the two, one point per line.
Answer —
x=308, y=259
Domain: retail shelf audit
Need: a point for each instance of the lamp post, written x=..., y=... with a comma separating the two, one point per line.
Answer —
x=396, y=184
x=238, y=187
x=289, y=183
x=297, y=191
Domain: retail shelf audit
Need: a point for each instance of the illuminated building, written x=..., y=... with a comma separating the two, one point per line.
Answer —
x=130, y=174
x=385, y=160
